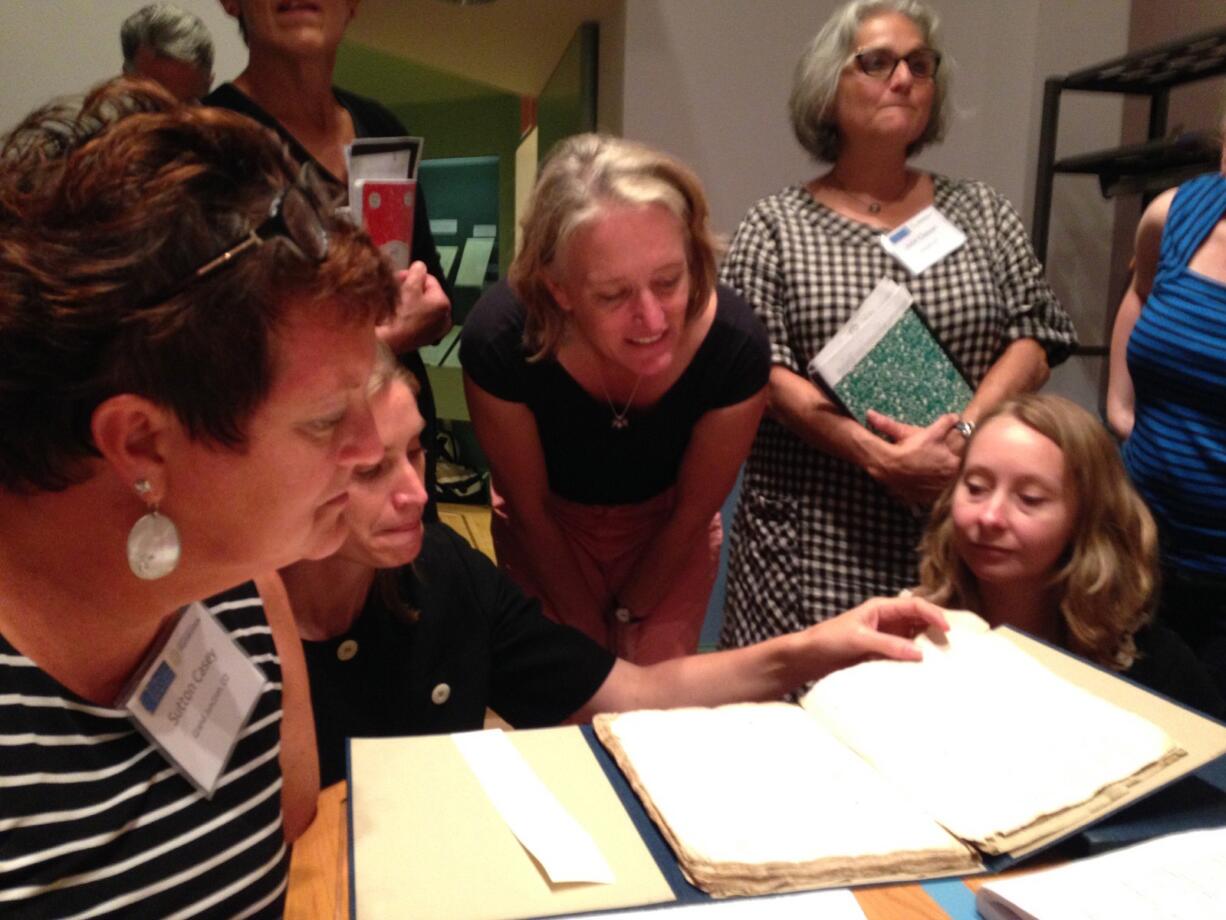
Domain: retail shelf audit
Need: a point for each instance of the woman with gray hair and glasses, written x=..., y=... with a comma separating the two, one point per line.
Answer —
x=827, y=515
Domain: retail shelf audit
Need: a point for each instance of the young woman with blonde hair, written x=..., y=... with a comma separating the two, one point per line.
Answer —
x=1042, y=530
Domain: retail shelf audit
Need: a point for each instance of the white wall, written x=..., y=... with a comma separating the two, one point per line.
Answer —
x=52, y=48
x=709, y=82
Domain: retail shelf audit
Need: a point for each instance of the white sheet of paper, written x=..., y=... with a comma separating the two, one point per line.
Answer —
x=1177, y=877
x=1053, y=764
x=923, y=241
x=837, y=904
x=563, y=848
x=473, y=262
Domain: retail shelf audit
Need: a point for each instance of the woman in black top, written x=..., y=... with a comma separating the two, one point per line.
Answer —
x=615, y=390
x=408, y=630
x=287, y=86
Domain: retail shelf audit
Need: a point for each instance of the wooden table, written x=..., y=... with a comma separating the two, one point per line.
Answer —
x=319, y=875
x=319, y=869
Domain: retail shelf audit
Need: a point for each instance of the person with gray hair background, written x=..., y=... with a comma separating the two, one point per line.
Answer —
x=170, y=45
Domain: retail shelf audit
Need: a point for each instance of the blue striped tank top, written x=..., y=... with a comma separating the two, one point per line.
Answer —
x=1176, y=454
x=95, y=822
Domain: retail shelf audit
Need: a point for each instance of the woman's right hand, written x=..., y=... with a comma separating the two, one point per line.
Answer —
x=423, y=314
x=918, y=465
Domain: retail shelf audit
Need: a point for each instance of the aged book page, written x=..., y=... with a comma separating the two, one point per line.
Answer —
x=758, y=797
x=997, y=746
x=983, y=739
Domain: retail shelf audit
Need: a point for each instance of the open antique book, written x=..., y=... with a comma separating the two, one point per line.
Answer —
x=898, y=770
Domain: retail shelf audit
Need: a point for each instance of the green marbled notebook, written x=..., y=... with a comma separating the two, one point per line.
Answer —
x=886, y=358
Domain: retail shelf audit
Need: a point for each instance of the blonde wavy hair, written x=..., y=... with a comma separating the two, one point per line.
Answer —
x=1107, y=578
x=582, y=177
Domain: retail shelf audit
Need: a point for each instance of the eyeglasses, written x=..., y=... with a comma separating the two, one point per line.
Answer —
x=292, y=216
x=880, y=63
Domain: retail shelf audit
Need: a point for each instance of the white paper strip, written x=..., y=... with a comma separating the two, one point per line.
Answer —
x=563, y=848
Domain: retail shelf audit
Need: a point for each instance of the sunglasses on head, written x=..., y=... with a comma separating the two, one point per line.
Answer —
x=293, y=215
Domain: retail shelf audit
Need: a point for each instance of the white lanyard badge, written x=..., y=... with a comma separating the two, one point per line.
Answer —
x=195, y=695
x=923, y=241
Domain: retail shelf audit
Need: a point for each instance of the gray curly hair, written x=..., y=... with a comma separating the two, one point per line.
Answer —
x=170, y=32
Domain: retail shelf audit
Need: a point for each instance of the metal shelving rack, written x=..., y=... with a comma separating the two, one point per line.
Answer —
x=1145, y=168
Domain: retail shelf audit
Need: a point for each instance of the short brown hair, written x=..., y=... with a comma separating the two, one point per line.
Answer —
x=582, y=176
x=1108, y=578
x=106, y=207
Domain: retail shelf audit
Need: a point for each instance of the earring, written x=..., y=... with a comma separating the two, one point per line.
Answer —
x=153, y=541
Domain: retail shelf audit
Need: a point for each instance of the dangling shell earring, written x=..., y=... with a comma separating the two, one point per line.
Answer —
x=153, y=541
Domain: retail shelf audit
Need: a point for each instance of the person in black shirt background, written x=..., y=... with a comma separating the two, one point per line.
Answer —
x=287, y=86
x=408, y=630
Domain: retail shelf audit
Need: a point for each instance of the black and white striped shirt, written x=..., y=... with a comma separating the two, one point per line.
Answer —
x=95, y=822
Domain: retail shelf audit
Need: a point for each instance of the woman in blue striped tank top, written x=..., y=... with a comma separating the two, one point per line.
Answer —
x=1167, y=400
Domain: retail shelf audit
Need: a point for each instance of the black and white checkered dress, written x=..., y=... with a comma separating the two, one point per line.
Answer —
x=815, y=535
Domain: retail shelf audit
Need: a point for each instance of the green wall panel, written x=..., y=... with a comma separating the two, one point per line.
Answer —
x=456, y=117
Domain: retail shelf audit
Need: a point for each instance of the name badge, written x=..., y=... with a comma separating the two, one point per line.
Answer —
x=193, y=698
x=923, y=241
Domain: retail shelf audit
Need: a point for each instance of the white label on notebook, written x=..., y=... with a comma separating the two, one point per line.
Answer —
x=876, y=316
x=563, y=848
x=923, y=241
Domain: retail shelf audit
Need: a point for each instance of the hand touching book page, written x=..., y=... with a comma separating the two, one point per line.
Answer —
x=892, y=770
x=997, y=747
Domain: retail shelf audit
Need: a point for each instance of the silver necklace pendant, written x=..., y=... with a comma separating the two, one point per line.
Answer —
x=620, y=420
x=874, y=208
